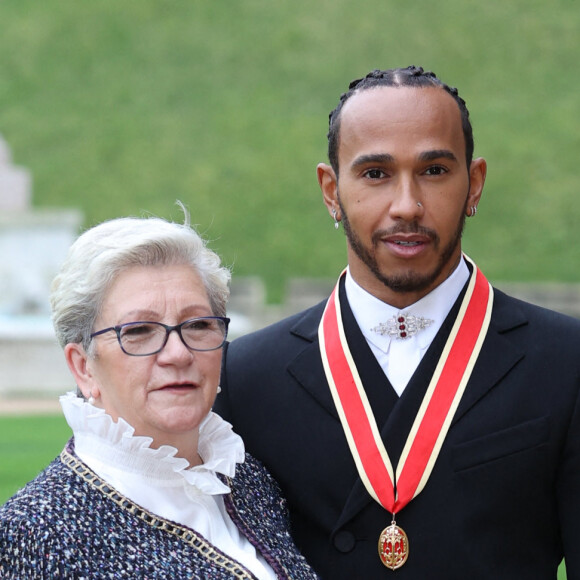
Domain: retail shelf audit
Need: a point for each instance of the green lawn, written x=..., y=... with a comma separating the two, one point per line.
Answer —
x=28, y=444
x=122, y=107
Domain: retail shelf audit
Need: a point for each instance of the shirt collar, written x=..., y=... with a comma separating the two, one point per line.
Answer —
x=369, y=311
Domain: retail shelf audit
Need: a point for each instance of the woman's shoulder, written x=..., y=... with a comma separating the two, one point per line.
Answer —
x=47, y=508
x=37, y=496
x=36, y=519
x=54, y=500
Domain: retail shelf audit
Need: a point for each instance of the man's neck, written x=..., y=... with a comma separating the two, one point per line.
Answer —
x=398, y=299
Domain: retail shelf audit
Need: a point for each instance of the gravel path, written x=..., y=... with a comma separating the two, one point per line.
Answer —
x=30, y=406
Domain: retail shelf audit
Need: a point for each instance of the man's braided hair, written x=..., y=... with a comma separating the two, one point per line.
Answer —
x=412, y=76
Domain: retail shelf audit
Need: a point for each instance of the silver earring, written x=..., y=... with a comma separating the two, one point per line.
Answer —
x=336, y=224
x=91, y=400
x=219, y=389
x=419, y=204
x=472, y=210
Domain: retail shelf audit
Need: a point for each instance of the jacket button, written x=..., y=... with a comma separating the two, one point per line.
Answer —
x=344, y=541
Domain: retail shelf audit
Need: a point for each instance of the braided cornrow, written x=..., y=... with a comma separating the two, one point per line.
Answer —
x=412, y=76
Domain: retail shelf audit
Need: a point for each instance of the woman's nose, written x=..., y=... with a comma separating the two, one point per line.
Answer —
x=174, y=349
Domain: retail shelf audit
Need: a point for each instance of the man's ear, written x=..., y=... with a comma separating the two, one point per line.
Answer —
x=329, y=186
x=79, y=365
x=477, y=173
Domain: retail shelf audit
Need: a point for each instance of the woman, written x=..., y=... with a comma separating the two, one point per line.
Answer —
x=153, y=484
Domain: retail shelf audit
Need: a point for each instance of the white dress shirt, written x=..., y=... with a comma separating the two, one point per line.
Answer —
x=399, y=358
x=161, y=482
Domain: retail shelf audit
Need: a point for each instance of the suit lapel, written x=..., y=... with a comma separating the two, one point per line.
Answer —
x=306, y=367
x=499, y=354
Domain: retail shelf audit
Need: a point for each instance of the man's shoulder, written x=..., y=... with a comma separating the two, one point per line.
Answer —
x=545, y=319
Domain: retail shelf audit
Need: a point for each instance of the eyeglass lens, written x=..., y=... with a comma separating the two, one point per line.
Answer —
x=142, y=338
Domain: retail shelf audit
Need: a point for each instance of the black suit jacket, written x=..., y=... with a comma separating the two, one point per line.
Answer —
x=503, y=500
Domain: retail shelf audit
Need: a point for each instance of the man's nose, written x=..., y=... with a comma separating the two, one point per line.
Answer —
x=407, y=202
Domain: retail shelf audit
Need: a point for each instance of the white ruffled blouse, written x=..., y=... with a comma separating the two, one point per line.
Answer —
x=162, y=483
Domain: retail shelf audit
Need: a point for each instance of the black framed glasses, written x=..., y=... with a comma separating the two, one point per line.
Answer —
x=147, y=338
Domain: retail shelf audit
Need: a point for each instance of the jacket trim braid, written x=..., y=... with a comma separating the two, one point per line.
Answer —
x=207, y=550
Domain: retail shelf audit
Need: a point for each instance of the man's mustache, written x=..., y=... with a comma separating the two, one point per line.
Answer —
x=405, y=228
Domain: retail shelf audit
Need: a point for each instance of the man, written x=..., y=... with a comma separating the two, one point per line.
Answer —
x=420, y=424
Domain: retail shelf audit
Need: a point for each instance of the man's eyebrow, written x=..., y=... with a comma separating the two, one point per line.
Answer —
x=437, y=154
x=387, y=158
x=372, y=158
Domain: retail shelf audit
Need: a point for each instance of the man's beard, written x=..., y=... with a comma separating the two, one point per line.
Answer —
x=408, y=281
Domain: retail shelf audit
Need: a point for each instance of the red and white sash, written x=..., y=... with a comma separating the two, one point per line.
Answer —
x=437, y=409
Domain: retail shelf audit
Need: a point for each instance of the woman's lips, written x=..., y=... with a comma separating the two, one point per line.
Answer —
x=178, y=387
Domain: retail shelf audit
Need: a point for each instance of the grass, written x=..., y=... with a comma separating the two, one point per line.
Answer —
x=121, y=108
x=27, y=445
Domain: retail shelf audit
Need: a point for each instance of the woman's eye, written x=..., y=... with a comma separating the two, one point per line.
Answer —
x=138, y=330
x=200, y=324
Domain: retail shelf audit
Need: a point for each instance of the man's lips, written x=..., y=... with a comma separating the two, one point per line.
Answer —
x=406, y=246
x=405, y=236
x=407, y=241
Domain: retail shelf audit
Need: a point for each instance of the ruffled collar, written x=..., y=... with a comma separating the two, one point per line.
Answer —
x=114, y=446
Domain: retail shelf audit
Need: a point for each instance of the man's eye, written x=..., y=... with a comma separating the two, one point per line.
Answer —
x=374, y=174
x=436, y=170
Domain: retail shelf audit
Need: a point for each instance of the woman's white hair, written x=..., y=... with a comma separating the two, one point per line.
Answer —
x=101, y=253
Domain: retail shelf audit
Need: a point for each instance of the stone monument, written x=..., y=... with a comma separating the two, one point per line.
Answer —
x=33, y=245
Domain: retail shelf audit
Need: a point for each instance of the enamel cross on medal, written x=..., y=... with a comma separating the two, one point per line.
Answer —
x=393, y=546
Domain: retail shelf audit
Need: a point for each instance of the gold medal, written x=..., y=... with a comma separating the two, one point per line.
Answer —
x=393, y=546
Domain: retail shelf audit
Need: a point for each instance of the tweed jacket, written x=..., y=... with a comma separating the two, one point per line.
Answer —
x=68, y=524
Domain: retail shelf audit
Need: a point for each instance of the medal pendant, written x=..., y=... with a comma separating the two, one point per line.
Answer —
x=393, y=547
